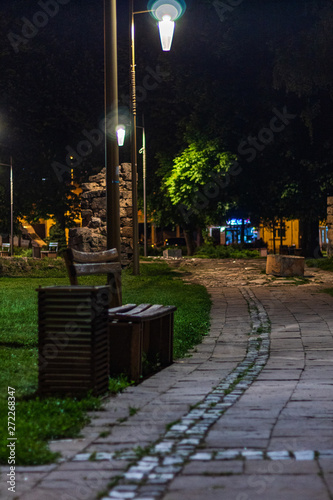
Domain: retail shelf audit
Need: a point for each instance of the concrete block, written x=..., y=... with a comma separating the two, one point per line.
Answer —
x=285, y=265
x=175, y=253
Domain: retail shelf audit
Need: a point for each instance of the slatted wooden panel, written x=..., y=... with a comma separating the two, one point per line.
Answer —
x=83, y=263
x=147, y=331
x=73, y=340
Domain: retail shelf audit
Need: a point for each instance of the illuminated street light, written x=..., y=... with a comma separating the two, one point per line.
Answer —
x=121, y=132
x=167, y=28
x=166, y=12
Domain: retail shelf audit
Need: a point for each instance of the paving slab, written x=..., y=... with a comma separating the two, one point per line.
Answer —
x=242, y=487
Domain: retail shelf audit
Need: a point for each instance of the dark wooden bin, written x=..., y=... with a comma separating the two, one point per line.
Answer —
x=73, y=340
x=140, y=332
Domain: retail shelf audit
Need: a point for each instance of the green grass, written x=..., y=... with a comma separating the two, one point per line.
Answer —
x=39, y=420
x=118, y=384
x=326, y=263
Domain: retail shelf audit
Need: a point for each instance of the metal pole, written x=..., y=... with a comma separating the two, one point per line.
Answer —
x=111, y=121
x=134, y=156
x=11, y=209
x=144, y=160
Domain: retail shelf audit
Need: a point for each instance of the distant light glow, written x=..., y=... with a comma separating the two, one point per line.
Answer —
x=120, y=130
x=166, y=28
x=237, y=222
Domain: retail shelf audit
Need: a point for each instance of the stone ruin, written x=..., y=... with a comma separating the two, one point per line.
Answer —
x=91, y=237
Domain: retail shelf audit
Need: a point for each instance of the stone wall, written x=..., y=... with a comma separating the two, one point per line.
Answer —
x=91, y=237
x=330, y=226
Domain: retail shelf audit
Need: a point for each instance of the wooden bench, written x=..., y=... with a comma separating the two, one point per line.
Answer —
x=52, y=251
x=5, y=250
x=140, y=334
x=107, y=262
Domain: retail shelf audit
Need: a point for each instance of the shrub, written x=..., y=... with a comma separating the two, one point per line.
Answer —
x=210, y=251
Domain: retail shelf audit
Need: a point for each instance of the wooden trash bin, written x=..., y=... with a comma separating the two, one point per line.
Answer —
x=140, y=333
x=73, y=340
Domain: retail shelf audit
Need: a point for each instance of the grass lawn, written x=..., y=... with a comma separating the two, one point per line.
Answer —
x=39, y=420
x=326, y=263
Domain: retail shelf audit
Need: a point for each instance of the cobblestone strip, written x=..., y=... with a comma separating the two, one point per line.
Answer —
x=248, y=454
x=148, y=478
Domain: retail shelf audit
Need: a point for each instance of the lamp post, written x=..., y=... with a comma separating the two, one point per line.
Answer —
x=134, y=156
x=166, y=11
x=144, y=174
x=111, y=144
x=10, y=165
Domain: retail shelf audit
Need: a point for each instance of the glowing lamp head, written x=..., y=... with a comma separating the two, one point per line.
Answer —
x=120, y=130
x=166, y=28
x=166, y=12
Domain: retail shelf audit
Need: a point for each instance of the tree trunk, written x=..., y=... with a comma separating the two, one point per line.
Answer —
x=190, y=245
x=199, y=237
x=281, y=234
x=309, y=231
x=274, y=246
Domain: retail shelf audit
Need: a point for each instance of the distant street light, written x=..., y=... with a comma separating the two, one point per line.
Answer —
x=166, y=12
x=121, y=132
x=10, y=165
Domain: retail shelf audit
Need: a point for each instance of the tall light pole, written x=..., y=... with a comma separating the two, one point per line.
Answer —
x=134, y=155
x=166, y=11
x=144, y=176
x=10, y=165
x=111, y=122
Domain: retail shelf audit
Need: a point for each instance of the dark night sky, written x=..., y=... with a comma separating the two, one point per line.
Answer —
x=78, y=26
x=219, y=72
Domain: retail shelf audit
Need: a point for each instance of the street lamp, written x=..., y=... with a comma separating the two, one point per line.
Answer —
x=10, y=165
x=120, y=130
x=166, y=12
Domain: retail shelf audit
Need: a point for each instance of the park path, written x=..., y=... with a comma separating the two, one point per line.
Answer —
x=248, y=416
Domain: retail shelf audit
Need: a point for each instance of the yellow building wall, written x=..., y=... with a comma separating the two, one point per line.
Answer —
x=291, y=236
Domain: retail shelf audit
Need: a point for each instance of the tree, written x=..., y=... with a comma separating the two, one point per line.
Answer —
x=197, y=186
x=303, y=67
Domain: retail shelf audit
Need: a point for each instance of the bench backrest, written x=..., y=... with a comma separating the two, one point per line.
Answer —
x=53, y=246
x=91, y=263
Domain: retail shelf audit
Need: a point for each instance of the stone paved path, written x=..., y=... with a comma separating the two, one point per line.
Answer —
x=248, y=416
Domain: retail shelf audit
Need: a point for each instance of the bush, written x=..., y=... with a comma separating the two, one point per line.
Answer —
x=57, y=234
x=210, y=251
x=32, y=268
x=22, y=252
